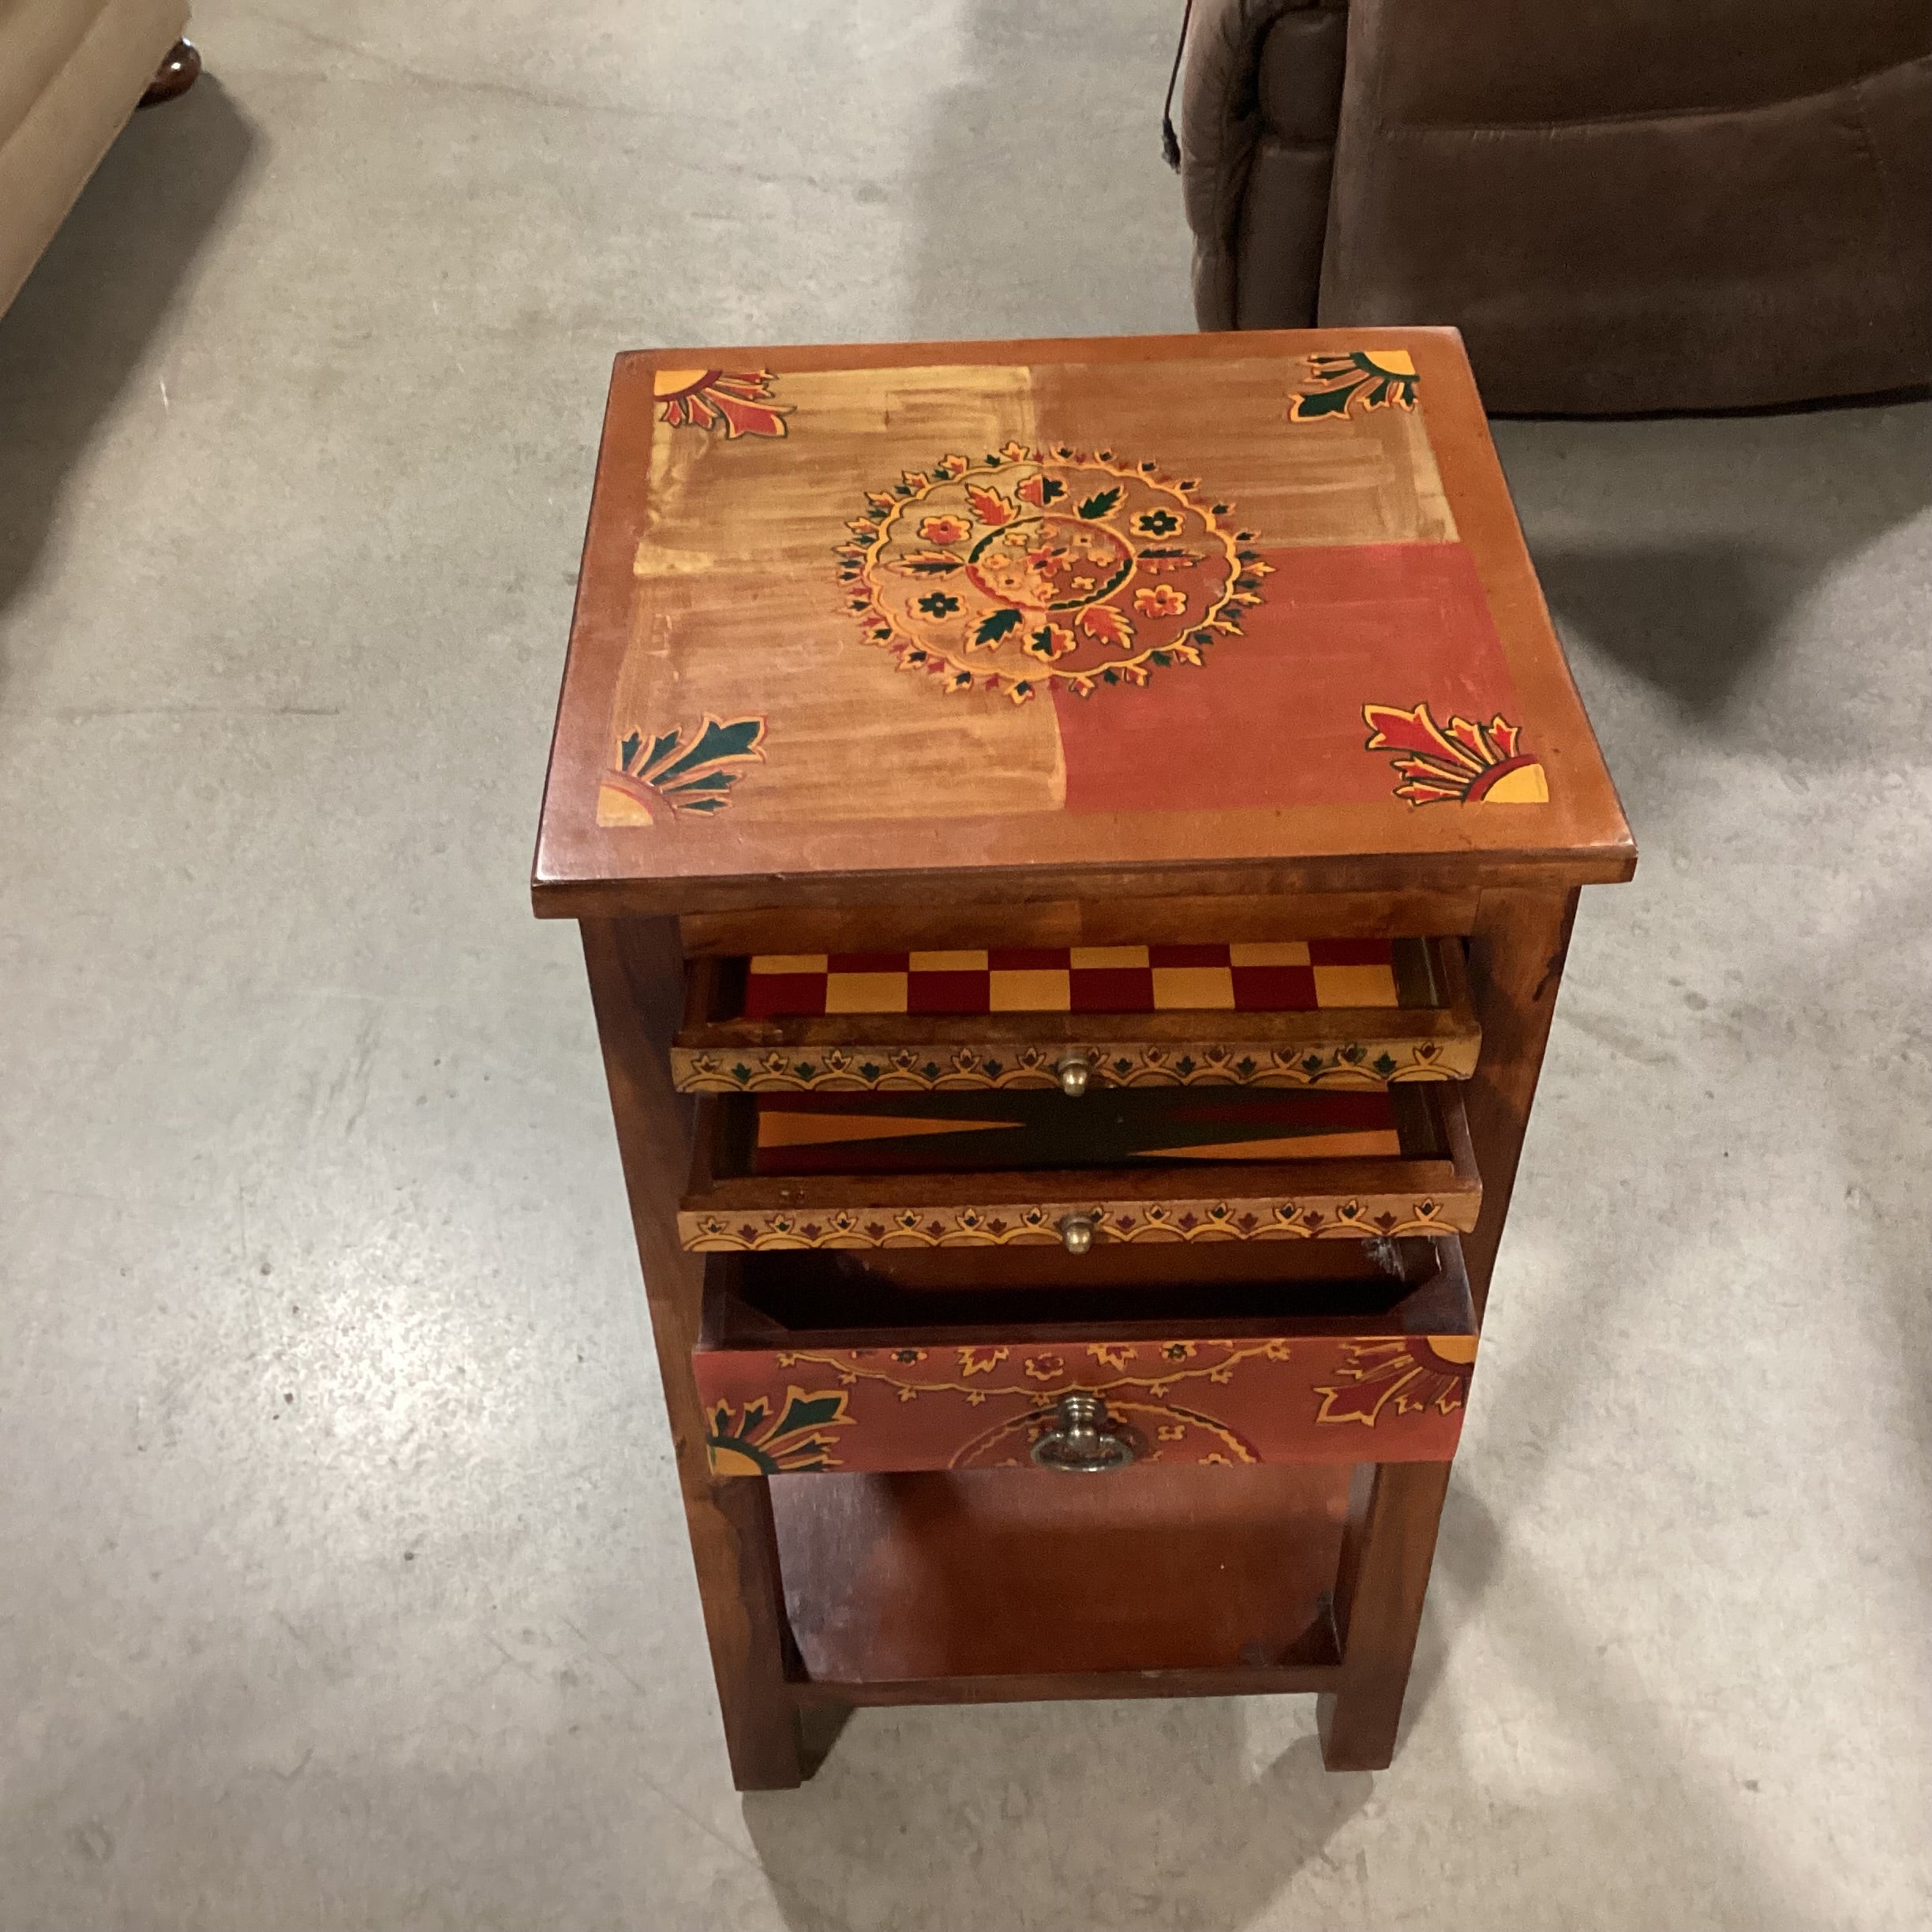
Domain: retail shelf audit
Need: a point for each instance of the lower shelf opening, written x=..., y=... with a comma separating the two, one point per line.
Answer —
x=1028, y=1572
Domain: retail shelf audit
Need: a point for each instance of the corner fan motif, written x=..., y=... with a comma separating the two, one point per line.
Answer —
x=665, y=771
x=1376, y=378
x=1468, y=764
x=740, y=400
x=1030, y=567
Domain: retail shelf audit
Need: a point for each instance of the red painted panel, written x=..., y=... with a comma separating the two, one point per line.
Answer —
x=1321, y=1398
x=1274, y=718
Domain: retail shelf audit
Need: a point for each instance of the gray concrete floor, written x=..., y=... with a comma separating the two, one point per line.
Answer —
x=343, y=1582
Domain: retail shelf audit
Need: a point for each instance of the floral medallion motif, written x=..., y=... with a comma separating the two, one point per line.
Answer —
x=1376, y=378
x=1468, y=763
x=1031, y=567
x=740, y=400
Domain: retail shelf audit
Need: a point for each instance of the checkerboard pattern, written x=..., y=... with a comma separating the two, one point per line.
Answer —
x=1301, y=976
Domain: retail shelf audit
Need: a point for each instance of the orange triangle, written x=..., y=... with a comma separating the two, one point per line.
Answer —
x=780, y=1127
x=1296, y=1147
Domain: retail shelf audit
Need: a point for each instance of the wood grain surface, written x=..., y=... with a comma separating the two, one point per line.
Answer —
x=776, y=694
x=1008, y=1584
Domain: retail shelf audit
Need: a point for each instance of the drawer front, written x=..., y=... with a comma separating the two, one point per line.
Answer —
x=925, y=1397
x=1348, y=1013
x=1206, y=1400
x=1091, y=1172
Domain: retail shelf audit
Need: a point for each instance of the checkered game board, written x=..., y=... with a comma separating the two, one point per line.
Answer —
x=1301, y=976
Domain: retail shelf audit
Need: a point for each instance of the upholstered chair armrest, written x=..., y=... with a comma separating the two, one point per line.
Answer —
x=1254, y=71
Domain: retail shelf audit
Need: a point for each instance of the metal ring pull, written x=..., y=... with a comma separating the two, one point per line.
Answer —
x=1075, y=1069
x=1076, y=1233
x=1083, y=1440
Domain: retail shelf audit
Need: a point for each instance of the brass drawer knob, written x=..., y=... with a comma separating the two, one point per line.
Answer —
x=1074, y=1069
x=1083, y=1439
x=1076, y=1233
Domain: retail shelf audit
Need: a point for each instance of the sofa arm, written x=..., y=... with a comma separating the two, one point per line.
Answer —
x=1259, y=102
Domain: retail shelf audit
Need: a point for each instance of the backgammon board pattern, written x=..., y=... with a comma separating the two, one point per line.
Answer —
x=910, y=1133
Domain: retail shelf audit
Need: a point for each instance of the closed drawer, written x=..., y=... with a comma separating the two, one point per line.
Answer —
x=1328, y=1013
x=905, y=1361
x=943, y=1170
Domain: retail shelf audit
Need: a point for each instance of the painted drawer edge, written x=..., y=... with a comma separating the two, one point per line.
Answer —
x=1358, y=1064
x=1305, y=1216
x=1318, y=1399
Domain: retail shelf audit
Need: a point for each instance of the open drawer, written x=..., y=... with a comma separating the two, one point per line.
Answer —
x=1318, y=1013
x=903, y=1361
x=941, y=1170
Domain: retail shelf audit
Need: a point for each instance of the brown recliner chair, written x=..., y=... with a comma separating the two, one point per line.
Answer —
x=1626, y=205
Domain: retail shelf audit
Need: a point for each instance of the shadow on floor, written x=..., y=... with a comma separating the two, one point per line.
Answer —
x=1149, y=1814
x=1137, y=1814
x=1719, y=537
x=79, y=328
x=1693, y=621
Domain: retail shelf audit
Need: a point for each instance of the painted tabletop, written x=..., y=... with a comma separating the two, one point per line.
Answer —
x=1033, y=610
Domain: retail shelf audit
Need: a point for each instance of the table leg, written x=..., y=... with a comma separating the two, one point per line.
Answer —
x=637, y=986
x=1515, y=966
x=1386, y=1553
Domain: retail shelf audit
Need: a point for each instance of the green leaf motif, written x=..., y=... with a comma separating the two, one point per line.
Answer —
x=1327, y=403
x=734, y=741
x=809, y=1413
x=1099, y=504
x=994, y=626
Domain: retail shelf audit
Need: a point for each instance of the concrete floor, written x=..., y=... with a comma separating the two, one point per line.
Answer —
x=343, y=1582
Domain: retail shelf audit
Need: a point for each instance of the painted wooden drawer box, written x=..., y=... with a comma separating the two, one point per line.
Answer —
x=786, y=1171
x=823, y=1362
x=1335, y=1012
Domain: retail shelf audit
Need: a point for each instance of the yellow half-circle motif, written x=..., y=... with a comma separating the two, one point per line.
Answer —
x=1526, y=785
x=616, y=806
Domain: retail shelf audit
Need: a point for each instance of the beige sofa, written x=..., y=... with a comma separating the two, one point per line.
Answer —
x=71, y=73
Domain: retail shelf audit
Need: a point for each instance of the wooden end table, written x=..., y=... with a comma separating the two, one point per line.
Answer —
x=1075, y=843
